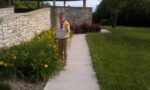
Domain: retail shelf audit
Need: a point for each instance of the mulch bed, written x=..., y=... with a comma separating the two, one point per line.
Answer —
x=21, y=85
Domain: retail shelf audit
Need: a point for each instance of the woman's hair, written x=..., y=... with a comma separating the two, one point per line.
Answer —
x=61, y=14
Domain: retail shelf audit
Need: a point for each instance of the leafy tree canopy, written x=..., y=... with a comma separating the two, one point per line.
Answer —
x=126, y=12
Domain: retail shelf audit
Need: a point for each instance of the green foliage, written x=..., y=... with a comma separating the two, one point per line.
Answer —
x=105, y=22
x=44, y=4
x=4, y=3
x=23, y=4
x=4, y=86
x=31, y=61
x=136, y=13
x=121, y=58
x=30, y=4
x=124, y=12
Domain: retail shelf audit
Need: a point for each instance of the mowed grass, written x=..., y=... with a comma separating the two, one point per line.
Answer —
x=122, y=58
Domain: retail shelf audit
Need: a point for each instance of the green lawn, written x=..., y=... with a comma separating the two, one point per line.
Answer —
x=122, y=58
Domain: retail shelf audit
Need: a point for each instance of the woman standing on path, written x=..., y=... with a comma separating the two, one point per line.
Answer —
x=62, y=35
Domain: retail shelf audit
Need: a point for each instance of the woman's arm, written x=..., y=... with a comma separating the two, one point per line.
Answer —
x=67, y=26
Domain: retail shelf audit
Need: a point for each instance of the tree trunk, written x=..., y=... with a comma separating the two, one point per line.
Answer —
x=12, y=2
x=115, y=19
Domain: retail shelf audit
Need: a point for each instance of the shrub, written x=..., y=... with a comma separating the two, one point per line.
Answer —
x=76, y=28
x=85, y=28
x=4, y=86
x=95, y=28
x=105, y=22
x=31, y=61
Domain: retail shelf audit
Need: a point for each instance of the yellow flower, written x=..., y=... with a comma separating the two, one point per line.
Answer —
x=67, y=25
x=5, y=64
x=39, y=37
x=54, y=46
x=14, y=58
x=46, y=66
x=1, y=62
x=53, y=33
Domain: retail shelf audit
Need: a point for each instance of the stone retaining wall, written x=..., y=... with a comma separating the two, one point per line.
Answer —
x=16, y=28
x=6, y=11
x=75, y=15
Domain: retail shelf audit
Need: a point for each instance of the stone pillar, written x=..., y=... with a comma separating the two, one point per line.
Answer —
x=64, y=3
x=53, y=16
x=84, y=3
x=54, y=2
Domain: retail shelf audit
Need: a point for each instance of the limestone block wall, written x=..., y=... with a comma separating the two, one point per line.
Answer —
x=16, y=28
x=75, y=15
x=6, y=11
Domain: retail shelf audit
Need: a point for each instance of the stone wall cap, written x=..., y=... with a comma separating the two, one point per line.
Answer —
x=36, y=11
x=10, y=16
x=70, y=7
x=7, y=8
x=16, y=15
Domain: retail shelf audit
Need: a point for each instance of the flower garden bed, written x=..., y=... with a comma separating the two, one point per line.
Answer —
x=85, y=28
x=31, y=62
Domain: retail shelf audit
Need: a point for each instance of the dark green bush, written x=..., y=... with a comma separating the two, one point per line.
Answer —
x=4, y=86
x=105, y=22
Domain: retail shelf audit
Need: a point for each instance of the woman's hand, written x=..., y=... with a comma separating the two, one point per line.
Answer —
x=67, y=26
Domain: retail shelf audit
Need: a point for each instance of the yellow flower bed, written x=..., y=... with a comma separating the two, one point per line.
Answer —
x=33, y=60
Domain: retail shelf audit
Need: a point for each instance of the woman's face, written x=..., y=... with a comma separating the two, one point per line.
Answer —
x=62, y=18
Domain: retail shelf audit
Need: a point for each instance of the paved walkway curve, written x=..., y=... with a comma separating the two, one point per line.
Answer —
x=79, y=73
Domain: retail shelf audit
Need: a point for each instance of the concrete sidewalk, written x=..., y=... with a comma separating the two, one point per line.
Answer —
x=79, y=73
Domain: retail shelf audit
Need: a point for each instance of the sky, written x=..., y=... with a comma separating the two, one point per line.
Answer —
x=89, y=3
